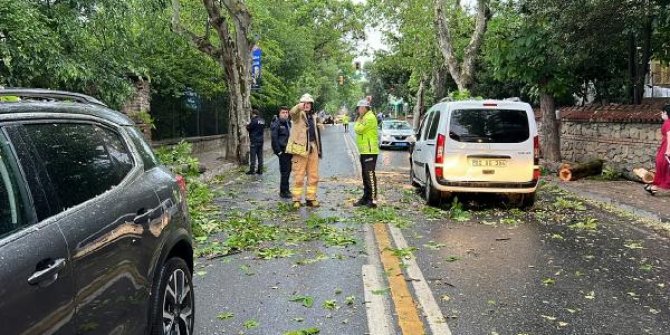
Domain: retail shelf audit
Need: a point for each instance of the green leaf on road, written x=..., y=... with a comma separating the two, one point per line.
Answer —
x=251, y=324
x=381, y=291
x=308, y=331
x=330, y=304
x=633, y=245
x=434, y=246
x=225, y=316
x=591, y=295
x=349, y=300
x=306, y=300
x=548, y=281
x=451, y=258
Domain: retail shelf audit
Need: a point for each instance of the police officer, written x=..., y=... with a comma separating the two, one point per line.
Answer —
x=255, y=128
x=281, y=129
x=367, y=140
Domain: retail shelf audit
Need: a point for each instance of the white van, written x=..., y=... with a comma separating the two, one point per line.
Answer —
x=485, y=146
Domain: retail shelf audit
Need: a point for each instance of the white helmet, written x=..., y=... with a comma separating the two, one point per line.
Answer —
x=306, y=98
x=363, y=103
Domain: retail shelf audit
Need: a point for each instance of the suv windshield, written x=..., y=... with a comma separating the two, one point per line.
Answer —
x=489, y=126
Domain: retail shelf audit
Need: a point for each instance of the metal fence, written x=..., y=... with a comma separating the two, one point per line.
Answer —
x=188, y=116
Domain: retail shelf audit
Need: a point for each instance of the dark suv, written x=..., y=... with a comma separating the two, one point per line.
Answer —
x=94, y=232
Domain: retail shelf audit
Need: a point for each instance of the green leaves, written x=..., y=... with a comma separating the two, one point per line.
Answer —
x=305, y=300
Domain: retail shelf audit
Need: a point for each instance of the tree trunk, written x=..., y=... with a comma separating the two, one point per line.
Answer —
x=233, y=55
x=643, y=65
x=238, y=114
x=632, y=61
x=573, y=172
x=462, y=73
x=551, y=144
x=439, y=82
x=419, y=105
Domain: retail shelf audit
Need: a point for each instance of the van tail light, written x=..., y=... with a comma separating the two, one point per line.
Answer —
x=536, y=158
x=536, y=150
x=439, y=155
x=181, y=181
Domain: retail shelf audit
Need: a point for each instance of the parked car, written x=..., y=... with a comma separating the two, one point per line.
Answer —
x=95, y=236
x=395, y=133
x=487, y=146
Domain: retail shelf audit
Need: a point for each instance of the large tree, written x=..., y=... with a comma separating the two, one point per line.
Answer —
x=231, y=21
x=462, y=71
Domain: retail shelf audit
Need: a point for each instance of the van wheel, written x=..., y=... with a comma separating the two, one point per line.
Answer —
x=433, y=196
x=527, y=200
x=412, y=179
x=172, y=301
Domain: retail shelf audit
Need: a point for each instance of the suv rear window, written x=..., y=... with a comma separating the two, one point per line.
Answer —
x=489, y=126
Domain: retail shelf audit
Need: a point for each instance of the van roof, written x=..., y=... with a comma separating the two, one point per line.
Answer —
x=485, y=103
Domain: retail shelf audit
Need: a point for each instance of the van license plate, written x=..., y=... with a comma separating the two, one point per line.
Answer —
x=499, y=163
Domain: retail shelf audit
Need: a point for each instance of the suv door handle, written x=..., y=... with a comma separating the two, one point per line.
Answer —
x=49, y=273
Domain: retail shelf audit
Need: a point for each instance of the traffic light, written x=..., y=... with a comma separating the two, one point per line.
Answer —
x=357, y=65
x=340, y=80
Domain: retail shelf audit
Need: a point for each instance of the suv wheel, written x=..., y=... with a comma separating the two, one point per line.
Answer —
x=433, y=196
x=173, y=304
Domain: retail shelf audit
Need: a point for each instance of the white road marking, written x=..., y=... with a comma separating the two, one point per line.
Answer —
x=377, y=307
x=436, y=322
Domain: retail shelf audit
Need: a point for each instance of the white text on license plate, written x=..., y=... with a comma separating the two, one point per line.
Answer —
x=500, y=163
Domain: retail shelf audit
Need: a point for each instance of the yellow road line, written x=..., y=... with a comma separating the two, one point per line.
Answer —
x=408, y=315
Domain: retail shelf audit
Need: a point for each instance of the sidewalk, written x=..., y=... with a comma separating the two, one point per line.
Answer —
x=627, y=195
x=216, y=164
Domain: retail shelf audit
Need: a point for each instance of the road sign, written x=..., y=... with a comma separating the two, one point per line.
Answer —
x=256, y=67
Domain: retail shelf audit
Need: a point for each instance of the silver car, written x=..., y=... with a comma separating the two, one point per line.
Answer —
x=396, y=133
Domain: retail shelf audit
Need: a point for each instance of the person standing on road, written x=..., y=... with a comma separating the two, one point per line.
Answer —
x=255, y=128
x=281, y=129
x=662, y=176
x=367, y=140
x=345, y=122
x=304, y=143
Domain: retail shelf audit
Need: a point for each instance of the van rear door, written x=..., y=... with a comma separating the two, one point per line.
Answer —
x=489, y=143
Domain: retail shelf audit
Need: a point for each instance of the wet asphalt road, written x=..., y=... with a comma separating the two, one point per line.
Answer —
x=565, y=267
x=259, y=290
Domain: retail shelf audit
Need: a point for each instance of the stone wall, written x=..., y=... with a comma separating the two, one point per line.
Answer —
x=214, y=143
x=625, y=136
x=620, y=144
x=140, y=101
x=141, y=98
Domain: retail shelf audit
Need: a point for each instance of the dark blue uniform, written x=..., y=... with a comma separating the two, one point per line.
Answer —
x=255, y=129
x=281, y=130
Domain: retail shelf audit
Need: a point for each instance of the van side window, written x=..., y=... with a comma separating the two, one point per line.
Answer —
x=81, y=160
x=432, y=125
x=422, y=124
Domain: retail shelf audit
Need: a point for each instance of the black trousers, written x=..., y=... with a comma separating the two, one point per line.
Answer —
x=368, y=165
x=256, y=153
x=284, y=171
